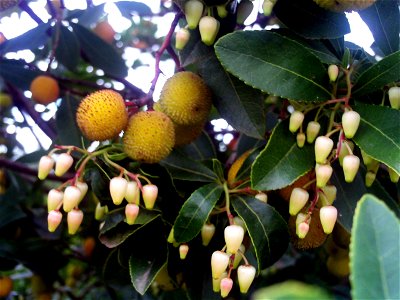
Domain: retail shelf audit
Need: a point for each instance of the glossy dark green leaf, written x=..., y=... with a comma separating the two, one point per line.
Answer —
x=348, y=195
x=99, y=53
x=115, y=275
x=68, y=135
x=89, y=16
x=32, y=39
x=258, y=59
x=195, y=211
x=379, y=133
x=267, y=229
x=376, y=77
x=374, y=251
x=239, y=104
x=293, y=290
x=16, y=73
x=180, y=166
x=9, y=211
x=200, y=149
x=307, y=19
x=148, y=255
x=67, y=51
x=115, y=230
x=218, y=169
x=383, y=19
x=282, y=161
x=129, y=8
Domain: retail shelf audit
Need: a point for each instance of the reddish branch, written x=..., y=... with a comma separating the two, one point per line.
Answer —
x=24, y=6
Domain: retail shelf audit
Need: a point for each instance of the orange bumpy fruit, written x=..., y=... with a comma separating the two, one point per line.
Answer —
x=186, y=99
x=102, y=115
x=344, y=5
x=105, y=31
x=150, y=136
x=44, y=89
x=6, y=286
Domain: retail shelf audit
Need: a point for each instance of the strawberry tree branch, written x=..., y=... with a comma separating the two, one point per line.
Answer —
x=25, y=7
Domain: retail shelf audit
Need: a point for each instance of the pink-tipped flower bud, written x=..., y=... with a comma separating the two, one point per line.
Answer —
x=54, y=199
x=216, y=282
x=83, y=187
x=327, y=195
x=183, y=251
x=244, y=10
x=394, y=177
x=323, y=173
x=149, y=194
x=72, y=194
x=53, y=220
x=312, y=131
x=181, y=38
x=394, y=97
x=246, y=274
x=302, y=230
x=100, y=212
x=238, y=256
x=207, y=232
x=350, y=123
x=193, y=12
x=63, y=163
x=74, y=220
x=222, y=11
x=118, y=187
x=226, y=286
x=323, y=147
x=301, y=217
x=369, y=178
x=267, y=7
x=300, y=139
x=219, y=263
x=328, y=216
x=351, y=163
x=295, y=121
x=46, y=164
x=209, y=27
x=298, y=198
x=333, y=72
x=131, y=213
x=234, y=235
x=132, y=194
x=263, y=197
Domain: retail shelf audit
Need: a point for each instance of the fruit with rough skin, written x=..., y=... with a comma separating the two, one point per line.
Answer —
x=102, y=115
x=185, y=98
x=105, y=31
x=149, y=137
x=193, y=12
x=209, y=27
x=6, y=4
x=44, y=89
x=344, y=5
x=6, y=286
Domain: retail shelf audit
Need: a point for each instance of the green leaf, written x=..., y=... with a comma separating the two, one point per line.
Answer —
x=14, y=72
x=383, y=19
x=307, y=19
x=115, y=231
x=99, y=53
x=258, y=58
x=378, y=134
x=31, y=39
x=68, y=135
x=348, y=195
x=292, y=290
x=195, y=211
x=218, y=169
x=182, y=167
x=374, y=251
x=267, y=229
x=239, y=104
x=376, y=77
x=282, y=161
x=149, y=254
x=129, y=8
x=89, y=16
x=67, y=51
x=200, y=149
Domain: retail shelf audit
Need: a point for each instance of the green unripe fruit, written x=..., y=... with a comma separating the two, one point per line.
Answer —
x=394, y=97
x=222, y=12
x=193, y=12
x=186, y=99
x=209, y=27
x=149, y=136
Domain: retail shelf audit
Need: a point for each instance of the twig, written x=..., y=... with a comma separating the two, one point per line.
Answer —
x=24, y=6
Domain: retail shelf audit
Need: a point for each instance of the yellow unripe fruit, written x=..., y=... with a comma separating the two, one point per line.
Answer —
x=186, y=99
x=102, y=115
x=344, y=5
x=44, y=89
x=150, y=136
